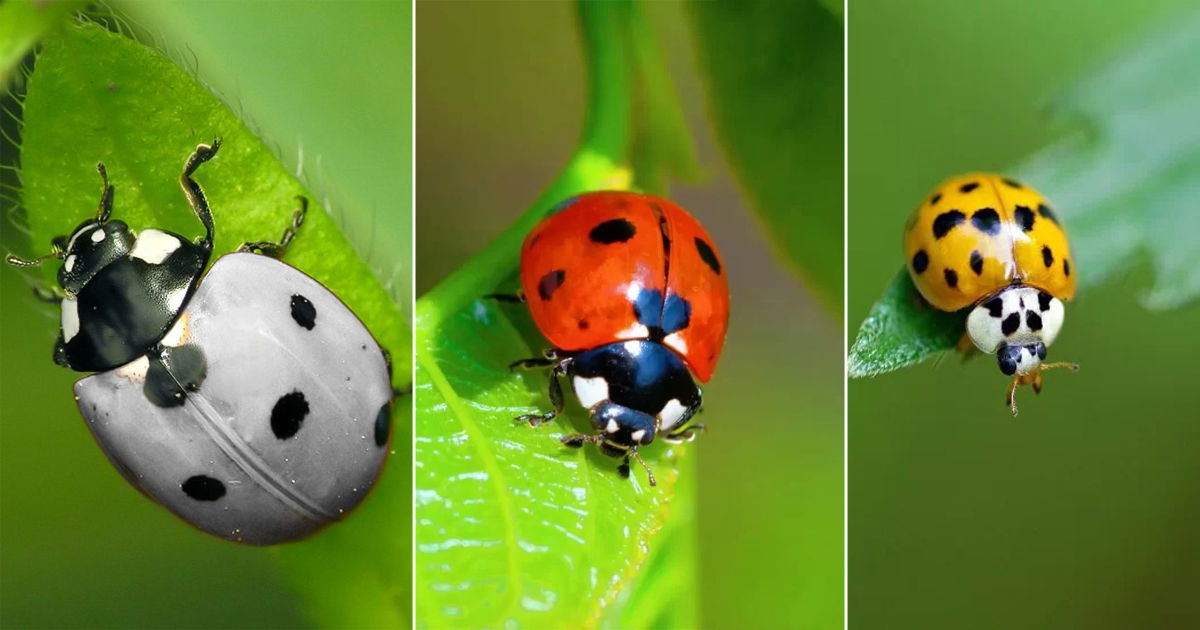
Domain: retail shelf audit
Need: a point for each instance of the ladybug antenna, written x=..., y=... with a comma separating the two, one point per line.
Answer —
x=649, y=473
x=1034, y=379
x=17, y=261
x=104, y=209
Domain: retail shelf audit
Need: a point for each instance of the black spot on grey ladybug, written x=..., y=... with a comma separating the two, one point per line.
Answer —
x=182, y=362
x=383, y=424
x=304, y=312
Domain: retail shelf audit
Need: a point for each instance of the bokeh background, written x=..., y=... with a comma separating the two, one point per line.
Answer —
x=1082, y=511
x=500, y=97
x=80, y=548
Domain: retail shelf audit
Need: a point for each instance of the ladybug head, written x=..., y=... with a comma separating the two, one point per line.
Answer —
x=1017, y=325
x=91, y=246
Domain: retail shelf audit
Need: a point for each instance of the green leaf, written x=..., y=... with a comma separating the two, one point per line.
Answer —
x=98, y=96
x=513, y=528
x=1124, y=181
x=774, y=72
x=22, y=24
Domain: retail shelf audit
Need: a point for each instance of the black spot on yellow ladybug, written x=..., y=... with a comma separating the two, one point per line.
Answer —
x=920, y=261
x=203, y=488
x=946, y=222
x=1047, y=213
x=976, y=262
x=968, y=187
x=1011, y=183
x=1066, y=267
x=550, y=283
x=933, y=201
x=1047, y=256
x=613, y=231
x=986, y=220
x=951, y=278
x=1024, y=217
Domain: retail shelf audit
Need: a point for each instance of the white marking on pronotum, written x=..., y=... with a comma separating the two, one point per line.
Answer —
x=70, y=318
x=175, y=336
x=70, y=264
x=135, y=370
x=635, y=331
x=98, y=235
x=612, y=427
x=154, y=246
x=591, y=391
x=671, y=413
x=677, y=342
x=638, y=435
x=175, y=299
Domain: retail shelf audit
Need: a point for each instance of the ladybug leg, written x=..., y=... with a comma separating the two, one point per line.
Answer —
x=686, y=434
x=579, y=439
x=549, y=357
x=1010, y=398
x=277, y=250
x=556, y=399
x=624, y=468
x=517, y=298
x=192, y=191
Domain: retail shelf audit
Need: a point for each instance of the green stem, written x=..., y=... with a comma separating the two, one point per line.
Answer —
x=597, y=163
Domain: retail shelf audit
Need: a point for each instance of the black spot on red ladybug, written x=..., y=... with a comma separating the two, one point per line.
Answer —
x=1033, y=320
x=1044, y=301
x=946, y=222
x=708, y=255
x=920, y=261
x=968, y=187
x=935, y=199
x=1024, y=217
x=203, y=488
x=1047, y=256
x=304, y=312
x=583, y=324
x=550, y=283
x=995, y=307
x=951, y=278
x=1011, y=183
x=986, y=220
x=1066, y=267
x=1046, y=212
x=613, y=231
x=383, y=424
x=1010, y=324
x=287, y=414
x=976, y=262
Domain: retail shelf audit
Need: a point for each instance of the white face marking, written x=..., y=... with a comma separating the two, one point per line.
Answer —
x=612, y=426
x=98, y=235
x=638, y=435
x=590, y=391
x=671, y=414
x=176, y=336
x=135, y=370
x=70, y=318
x=154, y=246
x=675, y=341
x=70, y=264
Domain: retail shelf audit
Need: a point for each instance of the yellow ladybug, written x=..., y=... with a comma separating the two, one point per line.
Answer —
x=993, y=243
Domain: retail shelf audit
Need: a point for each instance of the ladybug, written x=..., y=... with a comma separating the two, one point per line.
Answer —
x=994, y=244
x=254, y=405
x=631, y=292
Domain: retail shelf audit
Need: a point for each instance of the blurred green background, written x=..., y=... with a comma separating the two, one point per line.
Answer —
x=78, y=546
x=500, y=96
x=1080, y=512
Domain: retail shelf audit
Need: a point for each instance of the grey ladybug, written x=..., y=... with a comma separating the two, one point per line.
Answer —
x=255, y=405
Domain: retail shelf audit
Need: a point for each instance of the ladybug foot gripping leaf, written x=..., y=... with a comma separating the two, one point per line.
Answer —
x=1032, y=378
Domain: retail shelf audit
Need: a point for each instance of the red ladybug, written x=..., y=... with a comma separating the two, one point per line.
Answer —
x=631, y=292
